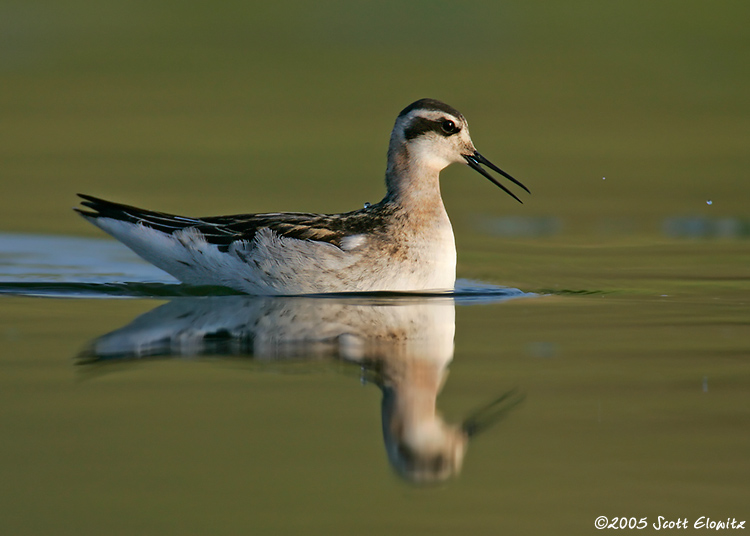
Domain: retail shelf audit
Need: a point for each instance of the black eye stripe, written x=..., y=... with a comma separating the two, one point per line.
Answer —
x=420, y=126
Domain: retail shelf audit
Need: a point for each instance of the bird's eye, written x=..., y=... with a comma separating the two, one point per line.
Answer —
x=449, y=127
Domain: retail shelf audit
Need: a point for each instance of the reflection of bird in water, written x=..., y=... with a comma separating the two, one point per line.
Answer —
x=421, y=446
x=404, y=346
x=403, y=243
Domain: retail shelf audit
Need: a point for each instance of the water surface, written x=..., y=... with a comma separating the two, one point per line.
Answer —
x=207, y=413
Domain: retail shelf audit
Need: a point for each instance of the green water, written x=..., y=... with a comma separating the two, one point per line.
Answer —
x=633, y=406
x=633, y=360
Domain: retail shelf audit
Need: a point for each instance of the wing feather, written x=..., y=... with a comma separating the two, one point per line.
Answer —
x=224, y=230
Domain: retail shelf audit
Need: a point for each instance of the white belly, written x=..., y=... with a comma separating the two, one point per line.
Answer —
x=272, y=265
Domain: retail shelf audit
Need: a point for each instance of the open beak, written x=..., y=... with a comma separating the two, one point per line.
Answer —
x=485, y=417
x=475, y=160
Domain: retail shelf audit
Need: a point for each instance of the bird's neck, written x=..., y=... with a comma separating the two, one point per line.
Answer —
x=413, y=182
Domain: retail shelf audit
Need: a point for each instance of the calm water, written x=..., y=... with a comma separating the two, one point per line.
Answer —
x=193, y=414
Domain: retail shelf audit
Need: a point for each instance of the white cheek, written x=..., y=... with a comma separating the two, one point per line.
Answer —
x=431, y=155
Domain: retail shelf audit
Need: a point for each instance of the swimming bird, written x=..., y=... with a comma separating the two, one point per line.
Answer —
x=403, y=243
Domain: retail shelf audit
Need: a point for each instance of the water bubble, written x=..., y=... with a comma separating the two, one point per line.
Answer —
x=367, y=205
x=709, y=202
x=604, y=178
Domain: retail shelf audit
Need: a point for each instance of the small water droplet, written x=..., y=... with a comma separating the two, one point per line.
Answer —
x=367, y=205
x=709, y=202
x=604, y=178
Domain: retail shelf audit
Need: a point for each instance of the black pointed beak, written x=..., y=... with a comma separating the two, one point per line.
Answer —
x=485, y=417
x=476, y=160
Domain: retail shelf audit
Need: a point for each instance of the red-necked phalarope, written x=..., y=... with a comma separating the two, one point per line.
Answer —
x=403, y=243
